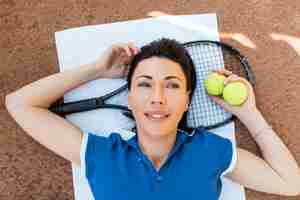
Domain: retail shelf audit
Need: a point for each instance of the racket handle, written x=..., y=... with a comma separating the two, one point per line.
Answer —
x=77, y=106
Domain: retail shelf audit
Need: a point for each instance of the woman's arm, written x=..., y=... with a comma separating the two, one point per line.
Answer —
x=44, y=92
x=278, y=173
x=29, y=105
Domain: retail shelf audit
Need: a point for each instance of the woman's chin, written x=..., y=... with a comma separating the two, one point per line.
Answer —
x=157, y=131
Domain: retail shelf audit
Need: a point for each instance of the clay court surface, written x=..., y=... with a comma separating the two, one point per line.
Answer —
x=267, y=32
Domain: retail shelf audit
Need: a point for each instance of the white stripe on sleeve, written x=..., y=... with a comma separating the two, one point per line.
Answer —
x=82, y=153
x=233, y=161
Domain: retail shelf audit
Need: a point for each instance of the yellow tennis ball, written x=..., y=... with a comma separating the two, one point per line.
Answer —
x=235, y=93
x=214, y=83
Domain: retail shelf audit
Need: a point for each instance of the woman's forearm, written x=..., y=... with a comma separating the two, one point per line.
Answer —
x=274, y=151
x=42, y=93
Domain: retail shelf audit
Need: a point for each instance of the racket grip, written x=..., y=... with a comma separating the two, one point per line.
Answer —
x=73, y=107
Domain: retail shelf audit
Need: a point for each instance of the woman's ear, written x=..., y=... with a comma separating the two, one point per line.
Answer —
x=188, y=100
x=187, y=106
x=129, y=102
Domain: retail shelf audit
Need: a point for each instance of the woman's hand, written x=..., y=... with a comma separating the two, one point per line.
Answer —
x=113, y=63
x=247, y=107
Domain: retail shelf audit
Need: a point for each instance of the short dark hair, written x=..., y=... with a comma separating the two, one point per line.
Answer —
x=175, y=51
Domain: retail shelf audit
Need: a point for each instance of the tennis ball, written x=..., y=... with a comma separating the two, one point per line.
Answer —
x=235, y=93
x=214, y=83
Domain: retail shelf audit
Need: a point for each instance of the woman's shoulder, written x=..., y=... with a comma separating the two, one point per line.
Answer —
x=208, y=138
x=213, y=144
x=112, y=136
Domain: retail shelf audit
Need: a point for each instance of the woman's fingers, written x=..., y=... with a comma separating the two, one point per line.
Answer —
x=122, y=53
x=126, y=47
x=133, y=48
x=235, y=78
x=129, y=48
x=232, y=77
x=223, y=71
x=121, y=49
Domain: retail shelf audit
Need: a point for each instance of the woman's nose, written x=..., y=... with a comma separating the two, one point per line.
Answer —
x=158, y=96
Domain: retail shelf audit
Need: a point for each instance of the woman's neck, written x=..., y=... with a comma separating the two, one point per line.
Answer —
x=156, y=149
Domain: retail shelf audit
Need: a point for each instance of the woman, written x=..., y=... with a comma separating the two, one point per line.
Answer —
x=163, y=160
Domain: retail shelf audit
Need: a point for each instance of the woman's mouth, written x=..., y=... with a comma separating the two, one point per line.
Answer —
x=156, y=117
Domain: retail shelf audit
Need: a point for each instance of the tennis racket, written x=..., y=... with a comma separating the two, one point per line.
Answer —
x=203, y=112
x=208, y=56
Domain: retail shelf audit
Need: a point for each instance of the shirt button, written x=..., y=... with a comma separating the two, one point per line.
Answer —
x=139, y=159
x=159, y=178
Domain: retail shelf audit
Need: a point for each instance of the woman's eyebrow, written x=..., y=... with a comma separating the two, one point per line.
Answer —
x=166, y=78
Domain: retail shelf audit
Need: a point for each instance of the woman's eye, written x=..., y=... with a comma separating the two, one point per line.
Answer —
x=173, y=85
x=170, y=85
x=143, y=84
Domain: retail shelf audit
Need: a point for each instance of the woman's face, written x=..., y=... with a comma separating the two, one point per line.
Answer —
x=158, y=96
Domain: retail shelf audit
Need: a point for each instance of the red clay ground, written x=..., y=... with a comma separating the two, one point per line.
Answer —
x=266, y=31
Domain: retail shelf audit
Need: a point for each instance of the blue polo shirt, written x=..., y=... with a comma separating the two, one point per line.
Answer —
x=116, y=168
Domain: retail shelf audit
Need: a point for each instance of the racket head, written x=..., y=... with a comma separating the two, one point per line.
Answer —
x=208, y=56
